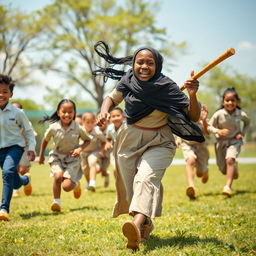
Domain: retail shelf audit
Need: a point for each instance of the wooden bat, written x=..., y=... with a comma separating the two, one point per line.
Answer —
x=229, y=52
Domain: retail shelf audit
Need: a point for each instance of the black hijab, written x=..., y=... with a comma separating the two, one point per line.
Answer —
x=161, y=93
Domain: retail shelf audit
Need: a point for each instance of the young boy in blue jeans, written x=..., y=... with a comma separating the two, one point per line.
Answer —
x=12, y=122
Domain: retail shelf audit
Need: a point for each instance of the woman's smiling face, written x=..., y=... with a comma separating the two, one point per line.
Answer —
x=144, y=65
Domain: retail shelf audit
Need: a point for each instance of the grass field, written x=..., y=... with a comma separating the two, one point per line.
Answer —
x=210, y=225
x=248, y=150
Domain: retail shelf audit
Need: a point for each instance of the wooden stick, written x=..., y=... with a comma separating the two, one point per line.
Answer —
x=229, y=52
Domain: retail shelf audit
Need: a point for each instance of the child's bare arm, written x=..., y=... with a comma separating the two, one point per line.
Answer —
x=223, y=132
x=76, y=152
x=204, y=114
x=108, y=144
x=42, y=150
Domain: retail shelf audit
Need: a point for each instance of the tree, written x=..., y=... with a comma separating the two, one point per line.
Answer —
x=78, y=25
x=54, y=95
x=18, y=32
x=28, y=104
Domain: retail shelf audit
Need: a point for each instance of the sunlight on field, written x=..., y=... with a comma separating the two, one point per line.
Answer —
x=211, y=225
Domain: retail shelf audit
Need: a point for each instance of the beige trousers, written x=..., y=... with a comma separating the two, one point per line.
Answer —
x=142, y=157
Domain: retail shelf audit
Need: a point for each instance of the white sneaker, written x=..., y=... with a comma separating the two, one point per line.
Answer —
x=4, y=215
x=227, y=191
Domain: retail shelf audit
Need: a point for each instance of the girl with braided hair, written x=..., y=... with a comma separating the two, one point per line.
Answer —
x=145, y=145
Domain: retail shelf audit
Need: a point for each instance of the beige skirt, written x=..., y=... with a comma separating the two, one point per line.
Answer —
x=70, y=166
x=142, y=157
x=226, y=149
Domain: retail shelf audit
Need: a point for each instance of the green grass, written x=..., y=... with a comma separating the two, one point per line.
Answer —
x=247, y=150
x=210, y=225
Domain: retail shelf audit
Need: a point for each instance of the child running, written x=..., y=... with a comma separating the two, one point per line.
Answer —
x=24, y=164
x=13, y=122
x=145, y=145
x=117, y=119
x=229, y=124
x=93, y=152
x=64, y=159
x=196, y=156
x=105, y=160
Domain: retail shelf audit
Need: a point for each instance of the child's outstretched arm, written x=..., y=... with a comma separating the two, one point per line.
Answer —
x=204, y=114
x=76, y=152
x=246, y=122
x=42, y=150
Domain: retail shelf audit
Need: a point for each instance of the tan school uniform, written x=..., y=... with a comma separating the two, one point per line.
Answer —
x=198, y=151
x=65, y=141
x=228, y=146
x=142, y=157
x=104, y=161
x=90, y=155
x=111, y=134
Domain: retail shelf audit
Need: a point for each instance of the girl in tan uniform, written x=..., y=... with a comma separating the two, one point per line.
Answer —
x=145, y=145
x=92, y=154
x=64, y=158
x=229, y=124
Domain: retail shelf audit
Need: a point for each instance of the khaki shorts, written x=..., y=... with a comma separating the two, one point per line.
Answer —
x=70, y=166
x=105, y=161
x=89, y=159
x=225, y=149
x=198, y=151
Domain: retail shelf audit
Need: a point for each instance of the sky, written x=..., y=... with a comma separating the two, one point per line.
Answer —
x=208, y=27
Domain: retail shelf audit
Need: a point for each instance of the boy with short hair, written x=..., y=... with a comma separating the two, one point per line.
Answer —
x=12, y=122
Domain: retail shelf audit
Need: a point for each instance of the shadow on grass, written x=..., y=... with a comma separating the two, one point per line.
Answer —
x=106, y=191
x=90, y=208
x=210, y=194
x=236, y=193
x=241, y=192
x=40, y=194
x=180, y=241
x=35, y=214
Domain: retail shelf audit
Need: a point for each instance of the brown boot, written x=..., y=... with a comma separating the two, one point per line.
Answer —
x=146, y=229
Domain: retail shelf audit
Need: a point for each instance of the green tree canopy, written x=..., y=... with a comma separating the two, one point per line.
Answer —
x=18, y=32
x=77, y=25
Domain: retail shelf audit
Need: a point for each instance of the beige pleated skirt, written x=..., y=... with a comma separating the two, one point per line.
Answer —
x=142, y=157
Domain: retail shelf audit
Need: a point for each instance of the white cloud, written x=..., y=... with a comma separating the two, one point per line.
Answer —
x=246, y=45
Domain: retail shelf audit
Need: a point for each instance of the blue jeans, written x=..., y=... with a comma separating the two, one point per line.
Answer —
x=9, y=159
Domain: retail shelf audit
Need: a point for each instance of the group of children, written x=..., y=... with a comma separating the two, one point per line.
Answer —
x=143, y=148
x=79, y=147
x=156, y=109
